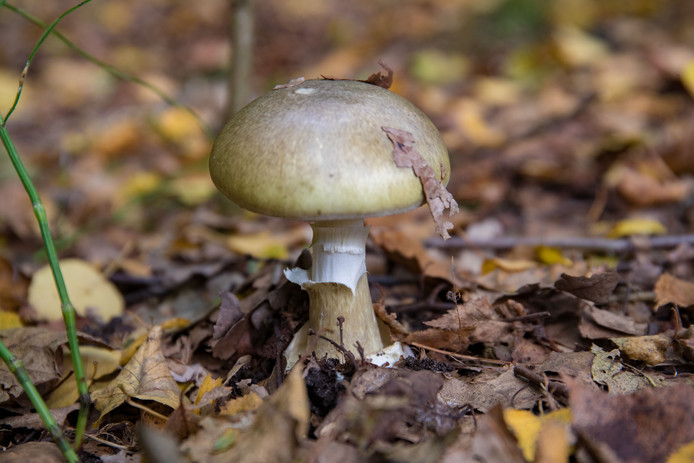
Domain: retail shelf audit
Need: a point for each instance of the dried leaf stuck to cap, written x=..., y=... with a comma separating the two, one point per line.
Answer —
x=438, y=198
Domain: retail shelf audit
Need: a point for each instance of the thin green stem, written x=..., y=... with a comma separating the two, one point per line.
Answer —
x=16, y=367
x=117, y=73
x=45, y=34
x=66, y=305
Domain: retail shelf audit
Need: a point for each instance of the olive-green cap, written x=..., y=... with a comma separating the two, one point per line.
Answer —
x=317, y=151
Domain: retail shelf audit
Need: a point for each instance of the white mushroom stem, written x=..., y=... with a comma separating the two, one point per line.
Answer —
x=339, y=252
x=338, y=287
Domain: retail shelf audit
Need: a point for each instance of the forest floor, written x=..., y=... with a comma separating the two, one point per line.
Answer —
x=555, y=325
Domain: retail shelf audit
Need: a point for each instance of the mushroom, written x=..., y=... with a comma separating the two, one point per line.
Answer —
x=316, y=151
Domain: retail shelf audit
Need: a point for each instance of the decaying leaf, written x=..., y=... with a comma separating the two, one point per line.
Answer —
x=145, y=377
x=290, y=84
x=438, y=198
x=648, y=349
x=597, y=288
x=644, y=426
x=38, y=349
x=669, y=289
x=380, y=79
x=278, y=425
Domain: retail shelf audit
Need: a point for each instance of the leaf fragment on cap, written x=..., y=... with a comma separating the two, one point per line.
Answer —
x=438, y=198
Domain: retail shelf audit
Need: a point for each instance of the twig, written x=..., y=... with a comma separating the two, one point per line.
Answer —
x=242, y=54
x=620, y=245
x=460, y=356
x=559, y=390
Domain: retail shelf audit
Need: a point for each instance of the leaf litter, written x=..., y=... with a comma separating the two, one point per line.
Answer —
x=591, y=348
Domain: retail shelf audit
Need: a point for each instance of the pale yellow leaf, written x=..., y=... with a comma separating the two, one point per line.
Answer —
x=687, y=77
x=145, y=377
x=550, y=255
x=507, y=265
x=9, y=320
x=637, y=226
x=684, y=454
x=89, y=291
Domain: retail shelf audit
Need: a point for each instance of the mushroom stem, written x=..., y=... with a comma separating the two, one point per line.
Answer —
x=339, y=252
x=338, y=287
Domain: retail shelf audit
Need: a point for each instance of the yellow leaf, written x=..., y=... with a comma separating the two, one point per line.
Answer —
x=192, y=190
x=470, y=120
x=527, y=427
x=507, y=265
x=262, y=245
x=684, y=454
x=177, y=124
x=207, y=385
x=139, y=184
x=576, y=48
x=89, y=292
x=433, y=66
x=551, y=255
x=687, y=77
x=637, y=226
x=246, y=403
x=98, y=362
x=145, y=377
x=9, y=320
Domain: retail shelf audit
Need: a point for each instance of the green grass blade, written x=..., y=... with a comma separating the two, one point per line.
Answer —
x=16, y=367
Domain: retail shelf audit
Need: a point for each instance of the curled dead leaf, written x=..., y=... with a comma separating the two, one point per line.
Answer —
x=438, y=198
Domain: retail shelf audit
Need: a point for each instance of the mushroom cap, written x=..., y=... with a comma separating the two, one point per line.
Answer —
x=317, y=151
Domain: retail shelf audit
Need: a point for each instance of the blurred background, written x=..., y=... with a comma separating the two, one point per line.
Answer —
x=561, y=117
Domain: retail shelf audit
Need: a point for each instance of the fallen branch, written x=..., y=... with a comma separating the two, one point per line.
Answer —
x=620, y=245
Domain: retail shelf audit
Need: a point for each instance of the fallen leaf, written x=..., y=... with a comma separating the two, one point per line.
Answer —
x=644, y=426
x=278, y=426
x=684, y=454
x=438, y=198
x=507, y=265
x=38, y=349
x=33, y=452
x=552, y=256
x=670, y=289
x=89, y=291
x=637, y=226
x=648, y=349
x=597, y=287
x=144, y=377
x=380, y=79
x=528, y=427
x=608, y=370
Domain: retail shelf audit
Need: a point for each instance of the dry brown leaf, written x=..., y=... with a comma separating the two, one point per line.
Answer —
x=33, y=452
x=645, y=426
x=669, y=289
x=438, y=198
x=648, y=349
x=145, y=377
x=597, y=288
x=380, y=79
x=278, y=426
x=38, y=349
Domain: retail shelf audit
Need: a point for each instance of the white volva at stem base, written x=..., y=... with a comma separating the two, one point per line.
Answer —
x=338, y=287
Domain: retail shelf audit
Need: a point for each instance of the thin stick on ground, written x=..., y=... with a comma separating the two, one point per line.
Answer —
x=620, y=245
